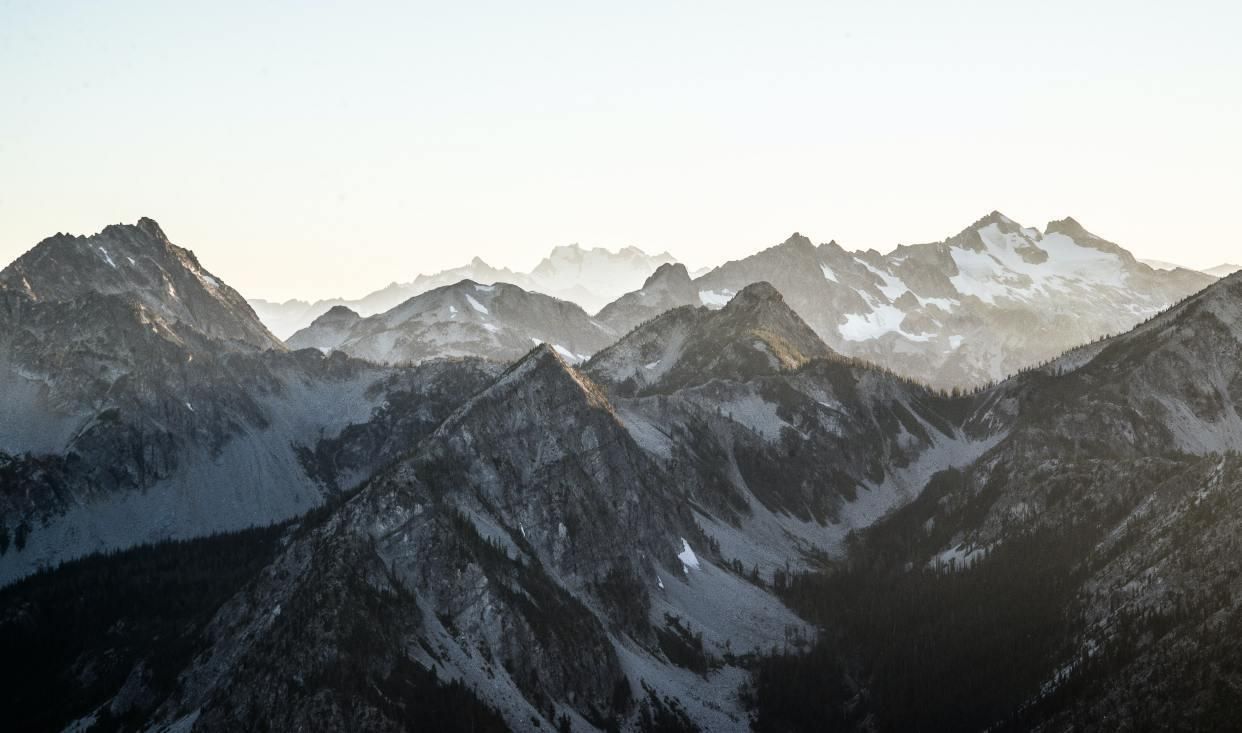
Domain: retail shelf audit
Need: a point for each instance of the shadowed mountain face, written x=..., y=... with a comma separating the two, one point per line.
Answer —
x=572, y=518
x=1169, y=389
x=500, y=322
x=144, y=400
x=559, y=545
x=1096, y=540
x=139, y=266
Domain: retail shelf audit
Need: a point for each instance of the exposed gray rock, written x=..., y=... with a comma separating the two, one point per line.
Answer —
x=145, y=401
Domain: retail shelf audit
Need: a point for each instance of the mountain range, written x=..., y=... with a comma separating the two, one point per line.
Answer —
x=145, y=400
x=590, y=277
x=966, y=311
x=971, y=309
x=500, y=322
x=702, y=515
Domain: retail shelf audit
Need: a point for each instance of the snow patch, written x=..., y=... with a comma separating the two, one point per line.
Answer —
x=892, y=287
x=1001, y=272
x=475, y=304
x=881, y=320
x=959, y=557
x=568, y=355
x=715, y=298
x=688, y=559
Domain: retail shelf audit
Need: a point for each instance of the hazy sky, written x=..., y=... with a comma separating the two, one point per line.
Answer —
x=328, y=151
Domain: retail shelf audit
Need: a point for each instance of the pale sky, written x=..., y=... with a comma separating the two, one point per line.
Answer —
x=329, y=151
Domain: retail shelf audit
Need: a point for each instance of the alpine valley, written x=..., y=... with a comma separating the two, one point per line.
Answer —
x=987, y=483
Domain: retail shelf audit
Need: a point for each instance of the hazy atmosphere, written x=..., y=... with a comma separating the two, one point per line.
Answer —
x=326, y=151
x=643, y=368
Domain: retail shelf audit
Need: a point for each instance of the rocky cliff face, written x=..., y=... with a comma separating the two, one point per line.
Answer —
x=575, y=582
x=140, y=266
x=144, y=400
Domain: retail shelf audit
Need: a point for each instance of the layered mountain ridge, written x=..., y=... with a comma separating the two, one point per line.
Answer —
x=975, y=308
x=617, y=534
x=499, y=322
x=589, y=277
x=972, y=309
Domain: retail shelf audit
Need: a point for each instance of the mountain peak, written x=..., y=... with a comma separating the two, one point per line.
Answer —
x=1070, y=227
x=152, y=229
x=144, y=233
x=541, y=354
x=338, y=314
x=137, y=263
x=994, y=217
x=755, y=293
x=971, y=238
x=798, y=240
x=756, y=333
x=573, y=250
x=545, y=365
x=668, y=272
